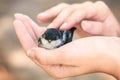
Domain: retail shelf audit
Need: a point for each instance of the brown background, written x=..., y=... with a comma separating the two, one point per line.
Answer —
x=14, y=65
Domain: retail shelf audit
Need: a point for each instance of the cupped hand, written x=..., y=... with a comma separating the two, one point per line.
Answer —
x=27, y=31
x=82, y=56
x=94, y=18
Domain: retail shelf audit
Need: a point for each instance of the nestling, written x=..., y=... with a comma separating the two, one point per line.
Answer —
x=53, y=38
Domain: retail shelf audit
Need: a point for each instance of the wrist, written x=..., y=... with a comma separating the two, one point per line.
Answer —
x=112, y=66
x=110, y=60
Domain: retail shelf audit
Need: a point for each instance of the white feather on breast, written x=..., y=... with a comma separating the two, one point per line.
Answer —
x=51, y=45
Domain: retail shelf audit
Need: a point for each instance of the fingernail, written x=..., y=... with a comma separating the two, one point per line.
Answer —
x=30, y=53
x=17, y=14
x=63, y=25
x=86, y=25
x=51, y=25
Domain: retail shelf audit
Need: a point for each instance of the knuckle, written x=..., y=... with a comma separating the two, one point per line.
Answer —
x=78, y=6
x=69, y=8
x=63, y=4
x=89, y=2
x=75, y=5
x=100, y=3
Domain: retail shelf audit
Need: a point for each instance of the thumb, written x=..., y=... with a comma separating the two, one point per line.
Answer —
x=92, y=27
x=46, y=57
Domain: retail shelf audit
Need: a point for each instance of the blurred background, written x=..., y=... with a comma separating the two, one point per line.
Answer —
x=14, y=65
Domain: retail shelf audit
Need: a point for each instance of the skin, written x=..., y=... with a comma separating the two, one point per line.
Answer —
x=89, y=16
x=90, y=54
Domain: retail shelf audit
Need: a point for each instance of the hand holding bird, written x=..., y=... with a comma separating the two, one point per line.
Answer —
x=75, y=58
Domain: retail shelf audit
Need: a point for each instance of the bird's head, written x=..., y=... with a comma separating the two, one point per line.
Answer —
x=51, y=35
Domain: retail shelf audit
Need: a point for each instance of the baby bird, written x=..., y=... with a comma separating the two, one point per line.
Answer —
x=53, y=38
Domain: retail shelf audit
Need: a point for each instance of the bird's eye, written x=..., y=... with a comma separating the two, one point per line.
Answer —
x=49, y=41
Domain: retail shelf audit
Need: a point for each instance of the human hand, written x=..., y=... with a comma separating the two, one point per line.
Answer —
x=94, y=18
x=28, y=32
x=93, y=54
x=88, y=55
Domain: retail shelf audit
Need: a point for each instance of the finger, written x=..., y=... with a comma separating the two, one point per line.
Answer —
x=43, y=56
x=26, y=23
x=92, y=11
x=79, y=14
x=50, y=14
x=23, y=35
x=33, y=29
x=80, y=32
x=93, y=27
x=38, y=30
x=57, y=71
x=61, y=17
x=102, y=11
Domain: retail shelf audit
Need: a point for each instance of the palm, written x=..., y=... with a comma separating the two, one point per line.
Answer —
x=27, y=31
x=75, y=60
